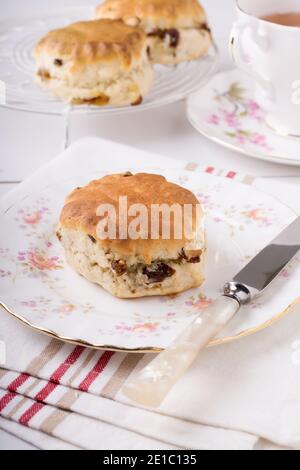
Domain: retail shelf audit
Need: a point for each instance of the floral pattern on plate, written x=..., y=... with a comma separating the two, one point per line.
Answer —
x=234, y=112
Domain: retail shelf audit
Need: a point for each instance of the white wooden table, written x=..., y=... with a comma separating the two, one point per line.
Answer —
x=28, y=141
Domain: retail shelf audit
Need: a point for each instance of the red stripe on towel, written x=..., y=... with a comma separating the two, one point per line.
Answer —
x=50, y=386
x=16, y=383
x=6, y=399
x=64, y=367
x=96, y=371
x=45, y=392
x=59, y=373
x=30, y=413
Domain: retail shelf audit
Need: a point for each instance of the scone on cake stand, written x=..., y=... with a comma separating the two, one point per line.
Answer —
x=178, y=30
x=108, y=61
x=68, y=63
x=133, y=267
x=99, y=62
x=105, y=65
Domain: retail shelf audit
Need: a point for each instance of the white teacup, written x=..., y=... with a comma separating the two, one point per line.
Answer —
x=270, y=53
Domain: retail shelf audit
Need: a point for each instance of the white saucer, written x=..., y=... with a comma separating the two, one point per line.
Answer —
x=226, y=112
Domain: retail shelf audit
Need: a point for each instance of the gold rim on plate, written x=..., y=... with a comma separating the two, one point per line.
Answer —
x=106, y=347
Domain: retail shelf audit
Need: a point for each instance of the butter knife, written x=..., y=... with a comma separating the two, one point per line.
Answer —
x=150, y=386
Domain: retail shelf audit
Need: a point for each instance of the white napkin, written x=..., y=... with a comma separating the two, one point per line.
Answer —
x=232, y=395
x=38, y=439
x=73, y=371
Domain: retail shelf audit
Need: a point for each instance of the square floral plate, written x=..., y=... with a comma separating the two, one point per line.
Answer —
x=42, y=291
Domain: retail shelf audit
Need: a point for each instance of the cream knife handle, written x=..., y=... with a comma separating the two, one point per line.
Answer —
x=150, y=386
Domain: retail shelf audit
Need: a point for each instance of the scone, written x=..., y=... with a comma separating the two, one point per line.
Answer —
x=133, y=267
x=177, y=29
x=100, y=62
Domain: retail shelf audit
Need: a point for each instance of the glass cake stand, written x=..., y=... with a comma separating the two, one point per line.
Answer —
x=18, y=90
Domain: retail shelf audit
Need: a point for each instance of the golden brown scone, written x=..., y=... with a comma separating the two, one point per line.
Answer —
x=127, y=267
x=177, y=29
x=99, y=62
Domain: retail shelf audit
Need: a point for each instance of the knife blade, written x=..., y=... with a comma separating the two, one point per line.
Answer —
x=269, y=262
x=150, y=386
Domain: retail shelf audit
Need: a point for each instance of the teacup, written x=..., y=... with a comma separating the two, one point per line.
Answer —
x=270, y=53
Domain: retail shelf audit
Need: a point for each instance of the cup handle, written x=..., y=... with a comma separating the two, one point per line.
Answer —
x=240, y=57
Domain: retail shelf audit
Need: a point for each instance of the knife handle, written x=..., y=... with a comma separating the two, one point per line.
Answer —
x=150, y=386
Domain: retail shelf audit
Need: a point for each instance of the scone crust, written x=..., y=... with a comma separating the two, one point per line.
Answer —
x=154, y=13
x=79, y=211
x=90, y=42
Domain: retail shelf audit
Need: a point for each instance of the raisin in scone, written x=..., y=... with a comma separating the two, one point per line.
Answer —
x=134, y=267
x=177, y=29
x=99, y=62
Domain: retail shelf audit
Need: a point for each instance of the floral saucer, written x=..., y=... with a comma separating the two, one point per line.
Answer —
x=226, y=112
x=39, y=288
